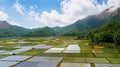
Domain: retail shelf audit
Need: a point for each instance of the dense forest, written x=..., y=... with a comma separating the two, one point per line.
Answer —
x=110, y=33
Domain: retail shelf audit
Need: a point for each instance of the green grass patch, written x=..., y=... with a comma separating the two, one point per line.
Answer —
x=87, y=55
x=52, y=43
x=112, y=55
x=33, y=52
x=97, y=51
x=53, y=54
x=7, y=48
x=92, y=65
x=84, y=41
x=114, y=60
x=29, y=44
x=3, y=56
x=96, y=60
x=85, y=51
x=99, y=55
x=61, y=46
x=34, y=40
x=74, y=59
x=112, y=51
x=78, y=55
x=72, y=54
x=67, y=54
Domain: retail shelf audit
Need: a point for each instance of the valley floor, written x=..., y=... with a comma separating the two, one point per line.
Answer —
x=55, y=52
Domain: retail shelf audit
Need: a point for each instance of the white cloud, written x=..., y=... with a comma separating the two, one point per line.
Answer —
x=32, y=15
x=72, y=10
x=54, y=18
x=3, y=15
x=113, y=3
x=33, y=7
x=18, y=7
x=14, y=23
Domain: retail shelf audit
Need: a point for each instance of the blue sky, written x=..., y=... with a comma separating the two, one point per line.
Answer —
x=40, y=13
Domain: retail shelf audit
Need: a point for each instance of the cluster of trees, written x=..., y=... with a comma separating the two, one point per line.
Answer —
x=108, y=34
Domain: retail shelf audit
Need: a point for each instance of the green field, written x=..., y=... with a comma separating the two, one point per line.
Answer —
x=87, y=53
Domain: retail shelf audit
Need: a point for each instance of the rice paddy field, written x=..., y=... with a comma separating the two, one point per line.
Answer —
x=55, y=52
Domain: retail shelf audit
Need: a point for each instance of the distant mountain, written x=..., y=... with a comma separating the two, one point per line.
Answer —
x=7, y=30
x=40, y=32
x=94, y=21
x=4, y=24
x=111, y=15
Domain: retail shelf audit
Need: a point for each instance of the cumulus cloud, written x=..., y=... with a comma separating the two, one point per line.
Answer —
x=18, y=7
x=72, y=10
x=3, y=15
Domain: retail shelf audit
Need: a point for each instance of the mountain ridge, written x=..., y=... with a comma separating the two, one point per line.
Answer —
x=95, y=21
x=83, y=25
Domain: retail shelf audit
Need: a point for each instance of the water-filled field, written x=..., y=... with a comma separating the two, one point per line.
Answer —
x=55, y=52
